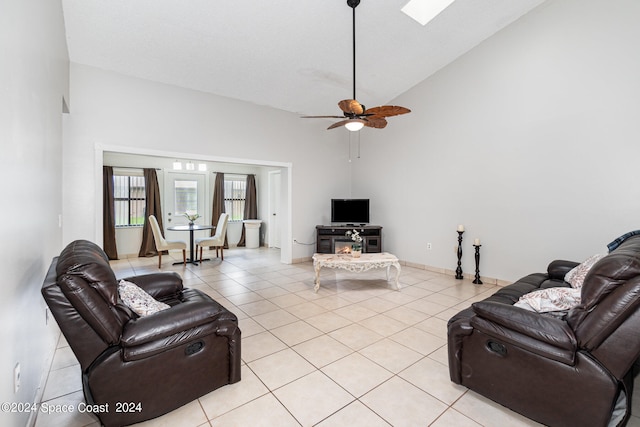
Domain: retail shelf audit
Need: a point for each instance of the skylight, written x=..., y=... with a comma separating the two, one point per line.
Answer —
x=424, y=11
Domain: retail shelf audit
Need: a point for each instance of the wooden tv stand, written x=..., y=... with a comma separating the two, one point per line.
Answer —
x=327, y=235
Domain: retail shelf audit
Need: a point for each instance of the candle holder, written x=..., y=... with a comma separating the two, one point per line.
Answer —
x=477, y=281
x=459, y=269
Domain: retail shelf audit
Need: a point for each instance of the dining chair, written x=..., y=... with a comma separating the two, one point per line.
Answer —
x=217, y=240
x=165, y=245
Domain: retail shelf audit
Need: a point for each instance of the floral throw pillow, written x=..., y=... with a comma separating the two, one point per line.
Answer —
x=575, y=277
x=138, y=300
x=550, y=299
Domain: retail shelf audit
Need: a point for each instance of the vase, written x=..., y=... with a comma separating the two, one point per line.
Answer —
x=356, y=251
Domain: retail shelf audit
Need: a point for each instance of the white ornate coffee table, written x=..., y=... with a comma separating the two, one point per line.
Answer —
x=365, y=262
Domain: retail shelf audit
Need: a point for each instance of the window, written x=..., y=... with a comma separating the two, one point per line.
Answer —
x=129, y=200
x=235, y=190
x=185, y=196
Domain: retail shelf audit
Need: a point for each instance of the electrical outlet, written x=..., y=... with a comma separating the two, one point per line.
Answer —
x=16, y=378
x=429, y=246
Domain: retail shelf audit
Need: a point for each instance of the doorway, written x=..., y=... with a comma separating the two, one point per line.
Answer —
x=275, y=182
x=152, y=156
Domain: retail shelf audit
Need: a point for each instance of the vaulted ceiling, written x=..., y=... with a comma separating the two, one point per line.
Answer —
x=294, y=55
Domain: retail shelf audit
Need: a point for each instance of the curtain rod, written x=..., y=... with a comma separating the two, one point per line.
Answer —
x=131, y=167
x=235, y=173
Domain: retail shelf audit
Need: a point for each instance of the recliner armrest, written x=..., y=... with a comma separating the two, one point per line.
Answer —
x=172, y=321
x=549, y=330
x=559, y=268
x=158, y=285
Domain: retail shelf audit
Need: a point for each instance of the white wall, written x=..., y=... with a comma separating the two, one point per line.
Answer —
x=115, y=110
x=530, y=141
x=34, y=71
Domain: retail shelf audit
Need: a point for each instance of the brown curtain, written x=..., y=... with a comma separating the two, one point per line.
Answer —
x=152, y=207
x=250, y=205
x=218, y=203
x=108, y=214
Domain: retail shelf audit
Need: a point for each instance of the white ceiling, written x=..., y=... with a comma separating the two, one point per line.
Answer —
x=294, y=55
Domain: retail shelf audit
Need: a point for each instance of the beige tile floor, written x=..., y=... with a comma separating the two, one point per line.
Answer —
x=357, y=353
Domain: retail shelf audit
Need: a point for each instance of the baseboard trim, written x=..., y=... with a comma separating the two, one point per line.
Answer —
x=448, y=272
x=48, y=363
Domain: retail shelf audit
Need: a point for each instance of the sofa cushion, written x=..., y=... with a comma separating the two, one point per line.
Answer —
x=615, y=269
x=575, y=277
x=612, y=271
x=84, y=260
x=559, y=268
x=138, y=300
x=512, y=293
x=550, y=299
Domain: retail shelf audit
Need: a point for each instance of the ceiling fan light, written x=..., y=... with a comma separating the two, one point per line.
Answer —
x=354, y=125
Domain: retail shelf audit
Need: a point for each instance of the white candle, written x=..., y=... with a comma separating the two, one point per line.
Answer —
x=476, y=242
x=461, y=227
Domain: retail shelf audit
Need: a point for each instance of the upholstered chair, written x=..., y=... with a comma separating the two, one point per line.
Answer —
x=165, y=245
x=217, y=240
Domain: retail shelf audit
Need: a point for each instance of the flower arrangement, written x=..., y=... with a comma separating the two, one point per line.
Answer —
x=356, y=248
x=354, y=235
x=191, y=216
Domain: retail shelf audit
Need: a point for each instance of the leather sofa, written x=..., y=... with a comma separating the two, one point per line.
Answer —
x=573, y=368
x=137, y=368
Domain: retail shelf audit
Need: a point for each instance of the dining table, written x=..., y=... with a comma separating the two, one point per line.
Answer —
x=191, y=228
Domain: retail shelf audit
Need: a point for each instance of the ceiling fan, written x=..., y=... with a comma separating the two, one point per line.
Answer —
x=355, y=116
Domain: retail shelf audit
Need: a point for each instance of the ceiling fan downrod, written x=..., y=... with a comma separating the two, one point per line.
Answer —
x=353, y=4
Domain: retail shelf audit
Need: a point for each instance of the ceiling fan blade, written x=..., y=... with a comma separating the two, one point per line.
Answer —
x=338, y=124
x=387, y=110
x=322, y=117
x=376, y=122
x=351, y=106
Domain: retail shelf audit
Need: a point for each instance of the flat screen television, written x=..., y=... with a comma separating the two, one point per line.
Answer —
x=350, y=211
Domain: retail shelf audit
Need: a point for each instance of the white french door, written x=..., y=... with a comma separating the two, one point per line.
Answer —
x=183, y=192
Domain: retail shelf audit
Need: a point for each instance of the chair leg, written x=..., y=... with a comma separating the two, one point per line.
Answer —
x=222, y=253
x=184, y=256
x=200, y=252
x=159, y=259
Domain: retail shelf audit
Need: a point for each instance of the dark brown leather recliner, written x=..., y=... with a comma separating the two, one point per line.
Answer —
x=572, y=370
x=152, y=364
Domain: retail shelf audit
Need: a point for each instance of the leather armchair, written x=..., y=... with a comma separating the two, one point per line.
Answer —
x=571, y=370
x=157, y=362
